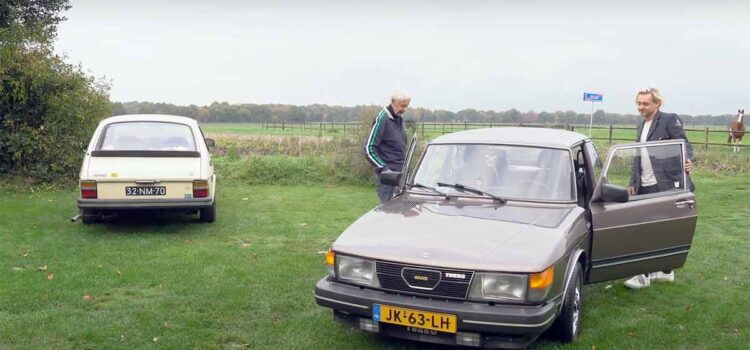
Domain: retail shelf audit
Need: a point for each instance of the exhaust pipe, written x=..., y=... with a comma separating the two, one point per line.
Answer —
x=73, y=219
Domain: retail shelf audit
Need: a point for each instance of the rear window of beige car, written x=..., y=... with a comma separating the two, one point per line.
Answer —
x=147, y=136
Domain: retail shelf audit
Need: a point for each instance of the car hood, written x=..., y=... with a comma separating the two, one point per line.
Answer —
x=144, y=168
x=473, y=235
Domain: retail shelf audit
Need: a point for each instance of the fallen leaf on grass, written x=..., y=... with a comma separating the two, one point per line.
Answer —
x=736, y=331
x=165, y=324
x=122, y=338
x=88, y=297
x=16, y=268
x=100, y=266
x=255, y=256
x=244, y=245
x=680, y=327
x=632, y=334
x=42, y=268
x=25, y=254
x=156, y=339
x=118, y=273
x=50, y=276
x=303, y=224
x=244, y=199
x=726, y=278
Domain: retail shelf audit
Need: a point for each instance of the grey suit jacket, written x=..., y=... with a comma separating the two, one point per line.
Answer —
x=665, y=126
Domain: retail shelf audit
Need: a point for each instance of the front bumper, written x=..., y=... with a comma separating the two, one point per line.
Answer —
x=135, y=204
x=506, y=326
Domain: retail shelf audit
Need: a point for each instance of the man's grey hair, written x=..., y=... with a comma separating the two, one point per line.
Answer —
x=400, y=96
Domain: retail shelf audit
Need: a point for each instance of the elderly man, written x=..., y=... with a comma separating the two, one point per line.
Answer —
x=386, y=142
x=650, y=176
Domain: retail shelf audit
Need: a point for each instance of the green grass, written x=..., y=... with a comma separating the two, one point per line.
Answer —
x=246, y=281
x=714, y=139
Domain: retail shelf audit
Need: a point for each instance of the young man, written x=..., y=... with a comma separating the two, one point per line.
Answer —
x=386, y=142
x=648, y=177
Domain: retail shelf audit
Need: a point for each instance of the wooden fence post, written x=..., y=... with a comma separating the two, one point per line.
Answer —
x=610, y=133
x=466, y=126
x=705, y=146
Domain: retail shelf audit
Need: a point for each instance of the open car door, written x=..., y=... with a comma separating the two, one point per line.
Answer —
x=645, y=232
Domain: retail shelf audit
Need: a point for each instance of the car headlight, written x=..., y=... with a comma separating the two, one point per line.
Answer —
x=356, y=270
x=498, y=287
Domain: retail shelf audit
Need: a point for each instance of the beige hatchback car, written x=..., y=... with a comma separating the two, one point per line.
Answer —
x=492, y=236
x=147, y=162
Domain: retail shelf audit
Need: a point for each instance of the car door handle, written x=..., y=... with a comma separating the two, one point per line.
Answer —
x=147, y=182
x=690, y=203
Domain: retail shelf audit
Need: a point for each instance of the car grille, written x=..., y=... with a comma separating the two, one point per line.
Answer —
x=424, y=280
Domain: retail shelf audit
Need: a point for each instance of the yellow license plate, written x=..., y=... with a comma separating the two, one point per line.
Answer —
x=414, y=318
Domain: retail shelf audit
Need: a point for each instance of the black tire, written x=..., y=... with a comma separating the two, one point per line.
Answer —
x=88, y=217
x=208, y=214
x=567, y=327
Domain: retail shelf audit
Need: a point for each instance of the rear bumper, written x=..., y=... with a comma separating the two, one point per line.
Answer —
x=135, y=204
x=497, y=326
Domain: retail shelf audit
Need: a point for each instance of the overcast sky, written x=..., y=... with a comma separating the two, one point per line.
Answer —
x=528, y=55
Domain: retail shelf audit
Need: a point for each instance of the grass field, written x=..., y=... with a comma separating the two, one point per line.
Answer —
x=715, y=137
x=246, y=281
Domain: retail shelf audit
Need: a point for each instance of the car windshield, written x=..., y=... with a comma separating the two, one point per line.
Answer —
x=147, y=136
x=513, y=172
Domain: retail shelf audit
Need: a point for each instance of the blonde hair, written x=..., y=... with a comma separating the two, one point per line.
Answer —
x=655, y=95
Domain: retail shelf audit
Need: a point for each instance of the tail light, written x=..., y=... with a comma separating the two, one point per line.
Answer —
x=200, y=188
x=88, y=189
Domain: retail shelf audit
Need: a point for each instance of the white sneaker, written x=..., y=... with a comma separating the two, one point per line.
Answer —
x=638, y=282
x=661, y=276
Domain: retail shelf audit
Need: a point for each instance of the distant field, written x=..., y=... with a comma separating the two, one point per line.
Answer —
x=712, y=136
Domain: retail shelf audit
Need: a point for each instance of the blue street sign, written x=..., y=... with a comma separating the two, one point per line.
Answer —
x=589, y=96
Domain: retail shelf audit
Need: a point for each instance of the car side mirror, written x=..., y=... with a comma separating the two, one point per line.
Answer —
x=210, y=143
x=390, y=177
x=614, y=193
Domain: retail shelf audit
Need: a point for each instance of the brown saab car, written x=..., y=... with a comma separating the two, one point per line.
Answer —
x=494, y=232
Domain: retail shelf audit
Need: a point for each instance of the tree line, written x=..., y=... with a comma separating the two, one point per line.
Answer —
x=262, y=113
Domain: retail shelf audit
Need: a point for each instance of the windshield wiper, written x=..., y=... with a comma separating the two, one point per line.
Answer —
x=464, y=188
x=431, y=189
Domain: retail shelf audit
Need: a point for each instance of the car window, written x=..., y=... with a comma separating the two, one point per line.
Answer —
x=656, y=166
x=597, y=162
x=514, y=172
x=147, y=136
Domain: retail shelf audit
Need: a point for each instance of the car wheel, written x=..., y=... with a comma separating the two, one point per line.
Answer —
x=568, y=324
x=88, y=217
x=208, y=214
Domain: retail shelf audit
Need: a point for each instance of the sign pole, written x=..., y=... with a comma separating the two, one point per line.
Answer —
x=592, y=97
x=591, y=119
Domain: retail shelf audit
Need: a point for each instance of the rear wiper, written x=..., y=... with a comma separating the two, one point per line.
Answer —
x=431, y=189
x=464, y=188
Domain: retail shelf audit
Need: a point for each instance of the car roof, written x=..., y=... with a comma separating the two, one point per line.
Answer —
x=527, y=136
x=149, y=118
